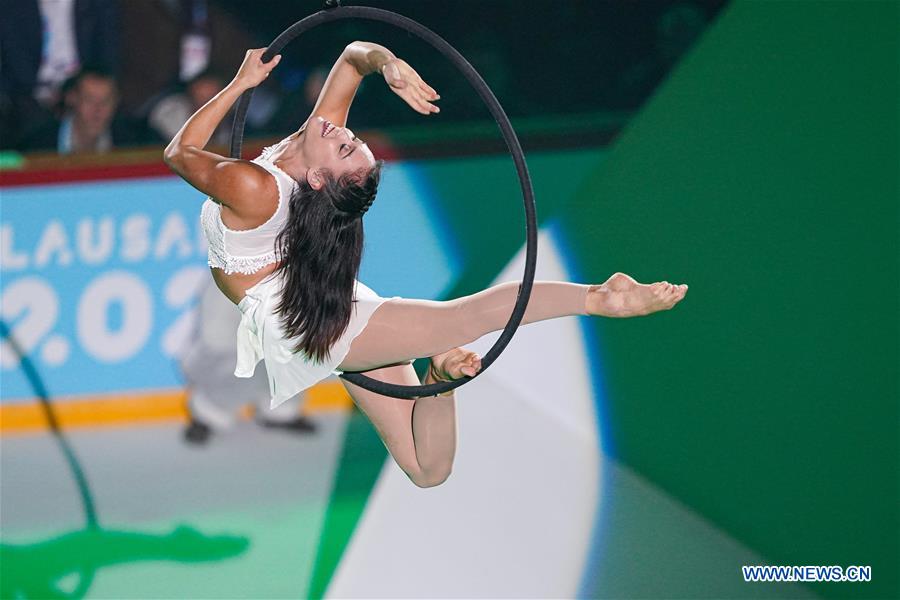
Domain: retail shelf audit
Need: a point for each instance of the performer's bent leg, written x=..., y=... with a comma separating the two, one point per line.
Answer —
x=402, y=330
x=420, y=435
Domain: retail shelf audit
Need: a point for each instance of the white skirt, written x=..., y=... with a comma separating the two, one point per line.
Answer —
x=261, y=337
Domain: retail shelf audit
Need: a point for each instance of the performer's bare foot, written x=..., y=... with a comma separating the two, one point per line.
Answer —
x=622, y=296
x=454, y=364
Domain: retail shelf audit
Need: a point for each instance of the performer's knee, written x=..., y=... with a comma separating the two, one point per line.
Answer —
x=426, y=478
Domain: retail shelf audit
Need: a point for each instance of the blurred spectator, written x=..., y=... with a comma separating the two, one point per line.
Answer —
x=169, y=113
x=43, y=43
x=312, y=87
x=215, y=395
x=88, y=123
x=303, y=88
x=169, y=42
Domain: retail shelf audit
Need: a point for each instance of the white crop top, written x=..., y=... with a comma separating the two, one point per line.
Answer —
x=247, y=251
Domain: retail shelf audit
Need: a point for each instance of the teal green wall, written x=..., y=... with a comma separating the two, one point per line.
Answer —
x=481, y=201
x=764, y=174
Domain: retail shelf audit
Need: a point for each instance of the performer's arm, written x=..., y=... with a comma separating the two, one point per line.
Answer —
x=363, y=58
x=356, y=61
x=227, y=180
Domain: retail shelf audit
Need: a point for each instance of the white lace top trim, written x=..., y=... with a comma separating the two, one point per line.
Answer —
x=246, y=251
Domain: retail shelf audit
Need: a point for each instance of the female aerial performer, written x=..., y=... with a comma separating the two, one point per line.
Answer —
x=285, y=242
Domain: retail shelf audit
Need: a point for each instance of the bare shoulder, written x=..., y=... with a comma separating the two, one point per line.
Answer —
x=248, y=191
x=236, y=179
x=239, y=184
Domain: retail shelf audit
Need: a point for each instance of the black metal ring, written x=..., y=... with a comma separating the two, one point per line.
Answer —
x=512, y=143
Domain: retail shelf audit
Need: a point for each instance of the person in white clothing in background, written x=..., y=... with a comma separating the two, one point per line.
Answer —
x=215, y=396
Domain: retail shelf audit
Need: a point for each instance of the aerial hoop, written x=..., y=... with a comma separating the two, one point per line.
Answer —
x=333, y=11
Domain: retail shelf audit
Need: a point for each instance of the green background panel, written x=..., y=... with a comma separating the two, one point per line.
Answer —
x=482, y=202
x=764, y=175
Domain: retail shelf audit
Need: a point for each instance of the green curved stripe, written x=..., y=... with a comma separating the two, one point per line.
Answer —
x=362, y=456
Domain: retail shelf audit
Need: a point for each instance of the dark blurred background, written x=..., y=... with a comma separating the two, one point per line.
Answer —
x=129, y=73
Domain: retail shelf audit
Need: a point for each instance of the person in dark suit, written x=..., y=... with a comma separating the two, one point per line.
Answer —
x=88, y=123
x=42, y=44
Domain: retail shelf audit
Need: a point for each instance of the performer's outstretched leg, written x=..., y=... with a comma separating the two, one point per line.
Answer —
x=402, y=330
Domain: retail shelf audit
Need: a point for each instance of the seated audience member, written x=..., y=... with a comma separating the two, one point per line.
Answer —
x=170, y=112
x=88, y=123
x=42, y=44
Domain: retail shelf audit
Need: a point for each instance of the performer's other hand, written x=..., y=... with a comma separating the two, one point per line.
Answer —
x=406, y=83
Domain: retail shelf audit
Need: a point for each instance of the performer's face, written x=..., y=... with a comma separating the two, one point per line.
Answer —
x=324, y=145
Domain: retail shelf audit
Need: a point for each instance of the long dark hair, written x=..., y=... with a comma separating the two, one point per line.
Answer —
x=320, y=249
